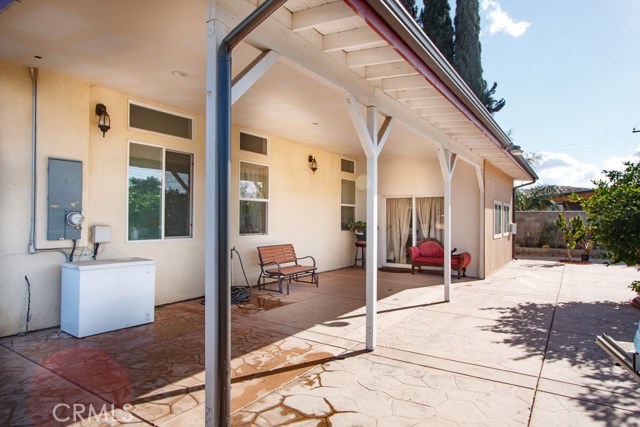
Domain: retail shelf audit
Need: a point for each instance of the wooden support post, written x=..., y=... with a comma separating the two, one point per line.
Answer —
x=447, y=166
x=372, y=140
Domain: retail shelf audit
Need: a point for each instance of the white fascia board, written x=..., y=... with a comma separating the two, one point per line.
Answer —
x=296, y=51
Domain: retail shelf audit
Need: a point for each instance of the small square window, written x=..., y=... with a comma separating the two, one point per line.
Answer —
x=348, y=166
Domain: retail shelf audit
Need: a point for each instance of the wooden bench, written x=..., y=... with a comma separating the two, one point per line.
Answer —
x=280, y=262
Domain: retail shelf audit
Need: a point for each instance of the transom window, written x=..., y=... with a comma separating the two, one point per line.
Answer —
x=253, y=143
x=160, y=196
x=153, y=119
x=348, y=166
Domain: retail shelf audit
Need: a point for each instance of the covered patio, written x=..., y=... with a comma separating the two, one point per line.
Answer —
x=514, y=349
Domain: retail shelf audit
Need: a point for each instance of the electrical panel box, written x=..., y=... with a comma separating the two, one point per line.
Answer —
x=514, y=228
x=101, y=234
x=64, y=199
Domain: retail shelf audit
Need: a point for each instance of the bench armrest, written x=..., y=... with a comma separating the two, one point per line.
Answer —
x=414, y=252
x=305, y=257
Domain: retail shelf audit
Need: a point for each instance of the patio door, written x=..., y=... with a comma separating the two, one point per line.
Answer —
x=399, y=229
x=409, y=221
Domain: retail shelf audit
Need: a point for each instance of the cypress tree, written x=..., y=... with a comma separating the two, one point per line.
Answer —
x=436, y=23
x=467, y=59
x=411, y=7
x=492, y=105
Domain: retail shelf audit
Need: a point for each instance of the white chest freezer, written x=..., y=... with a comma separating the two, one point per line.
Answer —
x=105, y=295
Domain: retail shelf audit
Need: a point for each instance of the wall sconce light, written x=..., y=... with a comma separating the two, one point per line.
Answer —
x=104, y=121
x=314, y=164
x=516, y=150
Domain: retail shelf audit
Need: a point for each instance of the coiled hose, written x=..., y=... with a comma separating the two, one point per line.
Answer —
x=239, y=294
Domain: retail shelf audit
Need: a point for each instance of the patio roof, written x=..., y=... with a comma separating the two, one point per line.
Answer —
x=326, y=47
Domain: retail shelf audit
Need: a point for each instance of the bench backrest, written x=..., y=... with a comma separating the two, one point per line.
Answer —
x=276, y=253
x=431, y=248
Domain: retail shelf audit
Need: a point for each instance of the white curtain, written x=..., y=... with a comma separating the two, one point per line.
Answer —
x=430, y=214
x=398, y=231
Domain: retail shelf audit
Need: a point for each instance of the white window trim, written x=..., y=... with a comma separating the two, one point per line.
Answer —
x=498, y=234
x=253, y=152
x=506, y=219
x=162, y=205
x=164, y=110
x=266, y=233
x=355, y=166
x=348, y=205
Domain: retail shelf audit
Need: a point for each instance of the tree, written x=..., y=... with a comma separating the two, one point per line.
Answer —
x=145, y=198
x=573, y=231
x=538, y=198
x=492, y=105
x=468, y=53
x=411, y=7
x=436, y=23
x=614, y=214
x=467, y=56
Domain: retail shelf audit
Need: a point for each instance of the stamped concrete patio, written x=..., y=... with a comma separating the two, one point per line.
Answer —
x=515, y=349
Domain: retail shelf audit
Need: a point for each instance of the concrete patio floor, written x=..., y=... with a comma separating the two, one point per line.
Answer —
x=515, y=349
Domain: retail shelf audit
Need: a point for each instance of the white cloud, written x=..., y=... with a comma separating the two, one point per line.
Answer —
x=617, y=163
x=500, y=21
x=562, y=169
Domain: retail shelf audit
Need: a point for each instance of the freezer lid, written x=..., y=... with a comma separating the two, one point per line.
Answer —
x=107, y=263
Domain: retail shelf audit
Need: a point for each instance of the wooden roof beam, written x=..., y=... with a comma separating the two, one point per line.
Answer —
x=331, y=12
x=360, y=38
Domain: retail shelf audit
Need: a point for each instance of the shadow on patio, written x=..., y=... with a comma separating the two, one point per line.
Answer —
x=574, y=366
x=156, y=371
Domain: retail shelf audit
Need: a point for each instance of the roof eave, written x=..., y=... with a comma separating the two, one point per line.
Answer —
x=405, y=27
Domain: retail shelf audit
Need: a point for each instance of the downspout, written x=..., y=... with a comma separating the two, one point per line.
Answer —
x=223, y=139
x=34, y=147
x=34, y=155
x=513, y=215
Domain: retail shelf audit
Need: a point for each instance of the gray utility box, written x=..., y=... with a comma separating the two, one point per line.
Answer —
x=64, y=197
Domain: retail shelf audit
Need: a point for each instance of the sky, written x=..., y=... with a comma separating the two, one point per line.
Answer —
x=570, y=74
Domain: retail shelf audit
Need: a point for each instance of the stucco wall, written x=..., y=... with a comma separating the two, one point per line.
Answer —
x=67, y=129
x=406, y=177
x=465, y=214
x=498, y=186
x=304, y=208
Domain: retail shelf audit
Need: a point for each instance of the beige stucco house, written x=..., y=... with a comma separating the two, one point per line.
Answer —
x=398, y=139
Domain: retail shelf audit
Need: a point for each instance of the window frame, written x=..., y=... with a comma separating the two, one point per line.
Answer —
x=266, y=138
x=164, y=110
x=506, y=219
x=163, y=190
x=497, y=209
x=348, y=205
x=349, y=160
x=241, y=199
